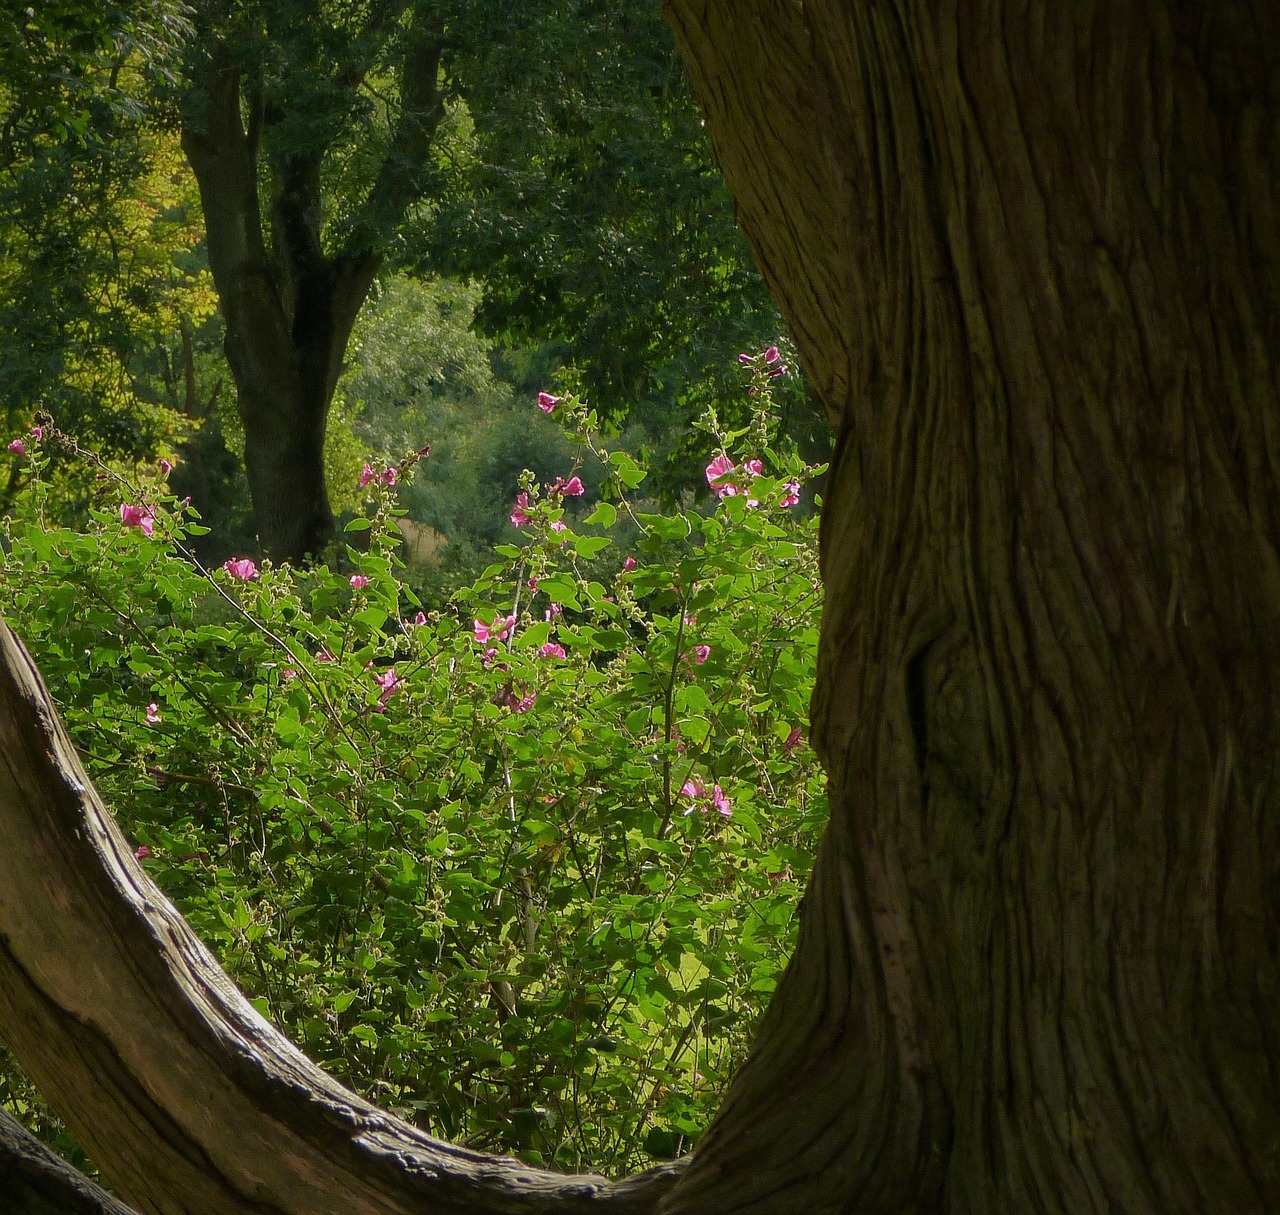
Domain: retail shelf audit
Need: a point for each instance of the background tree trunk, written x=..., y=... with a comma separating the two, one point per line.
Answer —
x=289, y=304
x=1030, y=254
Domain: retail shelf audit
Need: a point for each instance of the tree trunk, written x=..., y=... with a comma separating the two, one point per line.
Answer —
x=1030, y=256
x=289, y=308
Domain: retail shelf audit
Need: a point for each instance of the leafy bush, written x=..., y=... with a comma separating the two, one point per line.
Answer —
x=525, y=870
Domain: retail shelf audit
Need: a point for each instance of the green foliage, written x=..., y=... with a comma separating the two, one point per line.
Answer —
x=524, y=870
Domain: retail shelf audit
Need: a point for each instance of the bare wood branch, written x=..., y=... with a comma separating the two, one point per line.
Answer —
x=188, y=1100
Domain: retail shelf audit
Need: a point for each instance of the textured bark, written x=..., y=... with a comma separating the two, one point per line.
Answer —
x=1031, y=259
x=289, y=305
x=36, y=1181
x=187, y=1100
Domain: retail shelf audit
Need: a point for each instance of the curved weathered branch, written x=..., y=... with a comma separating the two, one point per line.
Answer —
x=34, y=1180
x=185, y=1097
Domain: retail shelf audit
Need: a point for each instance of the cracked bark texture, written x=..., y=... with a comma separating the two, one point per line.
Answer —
x=1031, y=258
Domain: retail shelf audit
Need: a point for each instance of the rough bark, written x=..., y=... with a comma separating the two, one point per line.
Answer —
x=36, y=1181
x=1031, y=258
x=188, y=1101
x=289, y=304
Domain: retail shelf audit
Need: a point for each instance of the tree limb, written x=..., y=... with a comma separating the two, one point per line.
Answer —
x=186, y=1098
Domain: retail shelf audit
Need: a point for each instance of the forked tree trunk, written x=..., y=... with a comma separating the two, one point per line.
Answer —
x=289, y=304
x=35, y=1181
x=1030, y=253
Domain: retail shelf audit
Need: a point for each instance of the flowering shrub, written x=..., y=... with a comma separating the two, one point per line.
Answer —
x=525, y=870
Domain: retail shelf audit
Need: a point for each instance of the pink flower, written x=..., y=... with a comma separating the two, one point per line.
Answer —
x=142, y=852
x=166, y=467
x=629, y=564
x=772, y=355
x=420, y=618
x=288, y=674
x=755, y=468
x=552, y=649
x=390, y=475
x=526, y=702
x=547, y=403
x=722, y=804
x=486, y=659
x=558, y=526
x=744, y=358
x=241, y=568
x=499, y=630
x=325, y=656
x=517, y=702
x=533, y=585
x=153, y=714
x=790, y=493
x=37, y=433
x=520, y=513
x=701, y=653
x=389, y=684
x=424, y=452
x=572, y=488
x=137, y=516
x=794, y=741
x=693, y=787
x=780, y=369
x=717, y=470
x=18, y=447
x=359, y=581
x=552, y=612
x=366, y=475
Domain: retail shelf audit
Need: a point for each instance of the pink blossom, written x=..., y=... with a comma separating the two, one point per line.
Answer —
x=166, y=467
x=288, y=674
x=533, y=585
x=487, y=658
x=389, y=684
x=744, y=358
x=572, y=488
x=693, y=787
x=790, y=493
x=359, y=581
x=420, y=618
x=552, y=612
x=520, y=513
x=772, y=355
x=325, y=656
x=241, y=568
x=552, y=649
x=629, y=564
x=558, y=526
x=153, y=714
x=18, y=447
x=755, y=467
x=142, y=852
x=37, y=433
x=367, y=474
x=137, y=516
x=701, y=653
x=794, y=741
x=499, y=630
x=717, y=470
x=721, y=803
x=779, y=370
x=517, y=702
x=390, y=475
x=424, y=452
x=547, y=403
